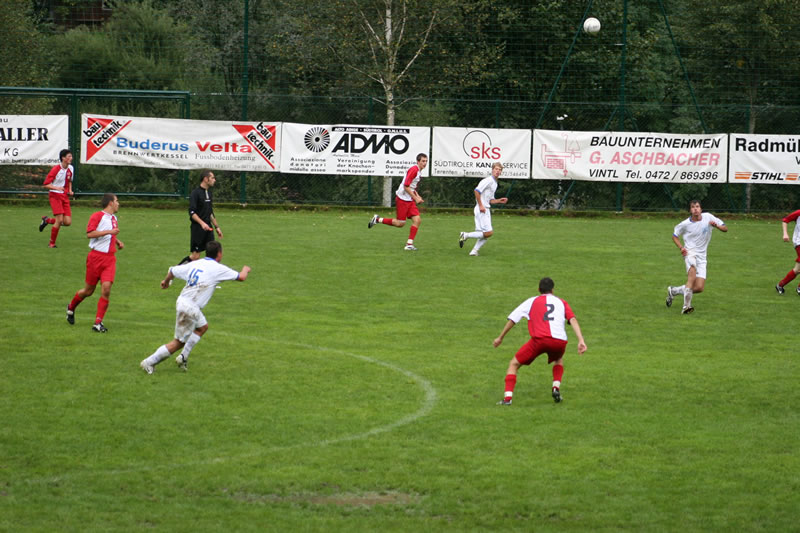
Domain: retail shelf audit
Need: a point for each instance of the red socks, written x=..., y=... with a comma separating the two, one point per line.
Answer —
x=387, y=221
x=51, y=221
x=102, y=307
x=74, y=303
x=413, y=233
x=53, y=235
x=558, y=372
x=789, y=277
x=511, y=381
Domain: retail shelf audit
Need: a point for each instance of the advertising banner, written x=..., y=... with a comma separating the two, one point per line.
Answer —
x=471, y=152
x=352, y=149
x=32, y=139
x=764, y=159
x=629, y=157
x=180, y=143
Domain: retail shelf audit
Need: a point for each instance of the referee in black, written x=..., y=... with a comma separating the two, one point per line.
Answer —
x=201, y=213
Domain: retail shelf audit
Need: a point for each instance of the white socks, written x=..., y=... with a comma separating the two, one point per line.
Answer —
x=687, y=297
x=158, y=356
x=473, y=234
x=677, y=290
x=194, y=338
x=479, y=244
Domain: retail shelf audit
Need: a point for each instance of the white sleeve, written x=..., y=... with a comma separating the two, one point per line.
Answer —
x=717, y=221
x=678, y=231
x=522, y=311
x=180, y=271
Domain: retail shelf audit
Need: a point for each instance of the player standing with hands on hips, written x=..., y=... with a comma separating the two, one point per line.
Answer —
x=546, y=315
x=202, y=277
x=696, y=232
x=484, y=199
x=406, y=202
x=792, y=217
x=201, y=214
x=59, y=182
x=101, y=264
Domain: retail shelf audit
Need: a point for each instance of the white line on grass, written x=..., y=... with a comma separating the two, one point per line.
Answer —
x=424, y=384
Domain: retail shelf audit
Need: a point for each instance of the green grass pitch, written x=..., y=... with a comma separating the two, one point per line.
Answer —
x=349, y=385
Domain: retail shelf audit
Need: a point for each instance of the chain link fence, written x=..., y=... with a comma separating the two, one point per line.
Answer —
x=669, y=66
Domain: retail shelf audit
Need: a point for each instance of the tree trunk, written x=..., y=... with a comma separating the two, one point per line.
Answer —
x=389, y=91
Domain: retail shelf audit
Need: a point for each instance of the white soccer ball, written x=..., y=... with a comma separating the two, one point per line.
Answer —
x=591, y=25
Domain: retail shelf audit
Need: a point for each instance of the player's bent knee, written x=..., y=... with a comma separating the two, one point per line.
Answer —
x=487, y=234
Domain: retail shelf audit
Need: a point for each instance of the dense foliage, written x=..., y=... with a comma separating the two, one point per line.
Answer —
x=657, y=65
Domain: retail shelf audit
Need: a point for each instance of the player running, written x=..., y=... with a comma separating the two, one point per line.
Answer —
x=59, y=183
x=101, y=264
x=406, y=201
x=484, y=199
x=202, y=277
x=796, y=241
x=696, y=232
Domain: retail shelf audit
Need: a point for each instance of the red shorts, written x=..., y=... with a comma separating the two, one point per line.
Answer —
x=59, y=203
x=554, y=348
x=406, y=209
x=100, y=267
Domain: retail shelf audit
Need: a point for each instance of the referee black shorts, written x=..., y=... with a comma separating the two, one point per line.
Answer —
x=200, y=238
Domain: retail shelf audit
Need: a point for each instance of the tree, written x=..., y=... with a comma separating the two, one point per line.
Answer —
x=744, y=53
x=24, y=49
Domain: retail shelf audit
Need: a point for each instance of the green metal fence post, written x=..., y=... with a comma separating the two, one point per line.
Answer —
x=245, y=84
x=74, y=139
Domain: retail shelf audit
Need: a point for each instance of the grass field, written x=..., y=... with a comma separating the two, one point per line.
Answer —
x=348, y=385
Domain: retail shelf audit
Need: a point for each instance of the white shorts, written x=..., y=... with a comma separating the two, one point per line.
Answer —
x=699, y=264
x=483, y=221
x=188, y=317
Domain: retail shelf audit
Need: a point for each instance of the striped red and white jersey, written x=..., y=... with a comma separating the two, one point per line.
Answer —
x=103, y=221
x=60, y=177
x=546, y=314
x=793, y=218
x=411, y=181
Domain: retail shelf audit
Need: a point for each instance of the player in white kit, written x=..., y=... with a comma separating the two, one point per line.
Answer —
x=484, y=199
x=696, y=232
x=202, y=277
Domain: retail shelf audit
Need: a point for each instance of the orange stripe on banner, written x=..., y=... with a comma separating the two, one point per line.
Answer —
x=791, y=177
x=743, y=175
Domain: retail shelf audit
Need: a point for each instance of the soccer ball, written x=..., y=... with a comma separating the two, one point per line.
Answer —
x=591, y=25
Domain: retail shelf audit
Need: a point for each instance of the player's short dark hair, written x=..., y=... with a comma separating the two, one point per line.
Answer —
x=213, y=248
x=63, y=153
x=107, y=199
x=205, y=174
x=692, y=202
x=546, y=285
x=420, y=156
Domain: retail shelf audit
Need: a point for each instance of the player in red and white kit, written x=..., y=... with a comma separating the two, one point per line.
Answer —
x=59, y=182
x=202, y=277
x=796, y=242
x=406, y=202
x=547, y=316
x=101, y=264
